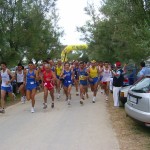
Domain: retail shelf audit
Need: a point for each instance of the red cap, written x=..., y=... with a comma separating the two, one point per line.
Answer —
x=118, y=64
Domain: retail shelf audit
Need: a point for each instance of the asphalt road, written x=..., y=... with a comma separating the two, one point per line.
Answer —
x=65, y=127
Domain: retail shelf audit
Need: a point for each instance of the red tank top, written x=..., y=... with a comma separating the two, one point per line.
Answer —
x=47, y=76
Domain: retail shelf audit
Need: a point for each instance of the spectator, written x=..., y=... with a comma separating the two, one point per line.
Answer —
x=117, y=83
x=144, y=71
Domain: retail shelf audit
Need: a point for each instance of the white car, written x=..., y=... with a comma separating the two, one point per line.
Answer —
x=138, y=101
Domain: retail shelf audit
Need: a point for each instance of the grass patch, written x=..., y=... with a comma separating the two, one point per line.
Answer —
x=9, y=102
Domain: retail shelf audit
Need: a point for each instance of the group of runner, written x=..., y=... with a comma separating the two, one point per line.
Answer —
x=50, y=76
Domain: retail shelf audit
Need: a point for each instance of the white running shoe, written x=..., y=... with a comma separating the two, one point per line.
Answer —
x=106, y=98
x=77, y=93
x=22, y=100
x=68, y=102
x=32, y=110
x=93, y=100
x=58, y=96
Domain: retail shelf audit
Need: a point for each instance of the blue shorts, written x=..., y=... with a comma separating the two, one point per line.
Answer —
x=30, y=87
x=37, y=83
x=94, y=81
x=7, y=89
x=67, y=83
x=83, y=82
x=100, y=78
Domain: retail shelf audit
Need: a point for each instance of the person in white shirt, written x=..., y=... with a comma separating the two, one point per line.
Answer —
x=106, y=75
x=6, y=77
x=20, y=82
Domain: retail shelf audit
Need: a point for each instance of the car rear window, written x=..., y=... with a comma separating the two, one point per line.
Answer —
x=143, y=86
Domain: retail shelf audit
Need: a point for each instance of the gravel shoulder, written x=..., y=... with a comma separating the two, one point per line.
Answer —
x=132, y=135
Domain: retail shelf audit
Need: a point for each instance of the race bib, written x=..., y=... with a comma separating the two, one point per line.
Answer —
x=32, y=82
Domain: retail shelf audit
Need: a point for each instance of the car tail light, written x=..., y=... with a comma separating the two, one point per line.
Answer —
x=121, y=94
x=126, y=80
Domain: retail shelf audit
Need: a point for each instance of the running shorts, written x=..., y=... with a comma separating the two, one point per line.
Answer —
x=49, y=85
x=7, y=89
x=94, y=80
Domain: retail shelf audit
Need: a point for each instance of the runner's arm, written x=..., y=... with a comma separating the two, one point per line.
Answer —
x=11, y=75
x=37, y=75
x=25, y=74
x=54, y=76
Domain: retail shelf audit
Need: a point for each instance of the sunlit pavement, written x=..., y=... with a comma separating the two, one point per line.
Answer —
x=65, y=127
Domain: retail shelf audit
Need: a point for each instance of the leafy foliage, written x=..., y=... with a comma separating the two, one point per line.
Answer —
x=122, y=33
x=27, y=30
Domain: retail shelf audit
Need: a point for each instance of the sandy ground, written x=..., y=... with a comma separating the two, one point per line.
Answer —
x=74, y=127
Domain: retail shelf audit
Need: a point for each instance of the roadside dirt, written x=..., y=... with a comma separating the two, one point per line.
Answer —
x=131, y=134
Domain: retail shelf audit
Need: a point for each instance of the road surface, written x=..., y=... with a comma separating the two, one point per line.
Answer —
x=65, y=127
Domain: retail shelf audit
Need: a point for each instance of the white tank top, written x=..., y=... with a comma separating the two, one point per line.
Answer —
x=5, y=77
x=20, y=77
x=106, y=75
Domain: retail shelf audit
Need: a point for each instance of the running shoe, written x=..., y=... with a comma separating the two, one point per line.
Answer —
x=69, y=102
x=45, y=106
x=22, y=99
x=32, y=110
x=81, y=101
x=2, y=111
x=52, y=105
x=58, y=96
x=106, y=98
x=93, y=100
x=77, y=93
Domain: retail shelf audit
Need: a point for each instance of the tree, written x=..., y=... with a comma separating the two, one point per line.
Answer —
x=123, y=32
x=26, y=28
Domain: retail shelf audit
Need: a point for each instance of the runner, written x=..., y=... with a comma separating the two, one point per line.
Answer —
x=41, y=70
x=76, y=76
x=106, y=75
x=58, y=71
x=31, y=75
x=48, y=79
x=67, y=75
x=101, y=68
x=6, y=86
x=52, y=65
x=93, y=78
x=83, y=80
x=20, y=78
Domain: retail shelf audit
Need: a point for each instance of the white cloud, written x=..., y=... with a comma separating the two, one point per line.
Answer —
x=72, y=14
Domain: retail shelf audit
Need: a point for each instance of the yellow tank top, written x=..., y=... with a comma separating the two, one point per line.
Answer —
x=93, y=72
x=58, y=70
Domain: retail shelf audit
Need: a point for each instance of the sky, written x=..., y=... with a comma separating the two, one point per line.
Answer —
x=72, y=14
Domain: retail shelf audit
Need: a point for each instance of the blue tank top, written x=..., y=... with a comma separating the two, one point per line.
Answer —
x=29, y=79
x=82, y=74
x=68, y=75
